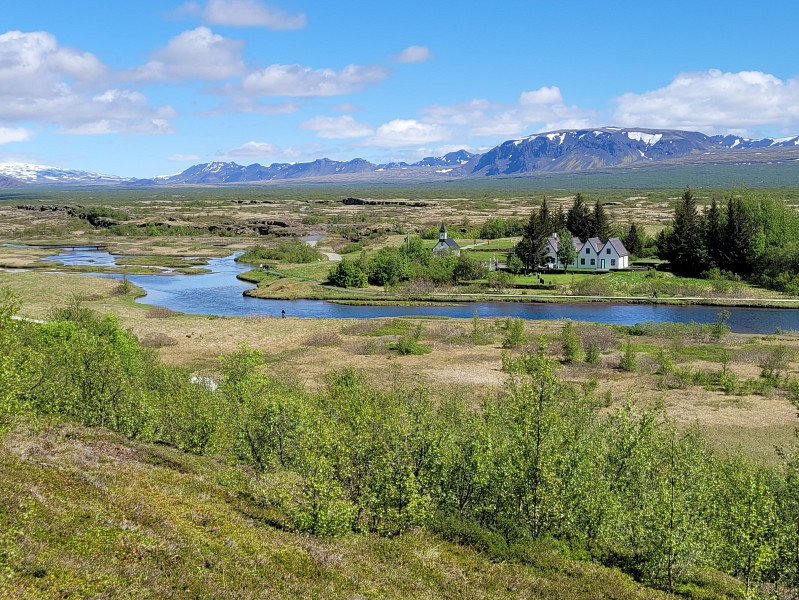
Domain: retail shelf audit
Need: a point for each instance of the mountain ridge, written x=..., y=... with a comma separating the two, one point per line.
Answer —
x=560, y=151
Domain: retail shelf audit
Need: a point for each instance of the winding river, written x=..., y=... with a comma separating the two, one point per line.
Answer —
x=220, y=293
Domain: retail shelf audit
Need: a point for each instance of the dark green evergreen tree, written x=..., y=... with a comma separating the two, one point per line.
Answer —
x=714, y=235
x=633, y=240
x=685, y=248
x=545, y=219
x=743, y=243
x=531, y=250
x=579, y=220
x=601, y=224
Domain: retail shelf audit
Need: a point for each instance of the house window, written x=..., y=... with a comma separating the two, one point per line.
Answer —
x=612, y=262
x=582, y=261
x=588, y=250
x=593, y=262
x=608, y=251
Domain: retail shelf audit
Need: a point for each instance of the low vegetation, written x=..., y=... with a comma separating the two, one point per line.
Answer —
x=537, y=476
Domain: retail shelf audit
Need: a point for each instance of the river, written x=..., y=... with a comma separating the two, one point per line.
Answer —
x=220, y=293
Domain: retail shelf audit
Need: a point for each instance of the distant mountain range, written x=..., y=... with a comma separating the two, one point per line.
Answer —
x=564, y=151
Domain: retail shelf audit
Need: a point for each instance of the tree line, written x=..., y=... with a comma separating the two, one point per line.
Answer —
x=534, y=464
x=749, y=235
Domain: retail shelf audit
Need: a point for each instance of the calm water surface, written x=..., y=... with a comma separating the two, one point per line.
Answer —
x=220, y=293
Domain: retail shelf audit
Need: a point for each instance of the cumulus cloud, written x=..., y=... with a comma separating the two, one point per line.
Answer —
x=266, y=150
x=542, y=109
x=407, y=132
x=15, y=134
x=195, y=54
x=242, y=13
x=40, y=81
x=714, y=102
x=415, y=54
x=300, y=81
x=33, y=64
x=337, y=127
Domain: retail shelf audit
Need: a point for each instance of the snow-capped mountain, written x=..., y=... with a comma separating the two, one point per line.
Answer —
x=453, y=159
x=585, y=149
x=734, y=141
x=43, y=175
x=563, y=151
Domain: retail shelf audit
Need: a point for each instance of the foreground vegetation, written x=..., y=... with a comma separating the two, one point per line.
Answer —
x=536, y=482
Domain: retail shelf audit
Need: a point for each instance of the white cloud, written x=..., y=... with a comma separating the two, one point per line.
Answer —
x=542, y=109
x=299, y=81
x=407, y=132
x=266, y=150
x=43, y=82
x=195, y=54
x=544, y=95
x=33, y=64
x=250, y=13
x=415, y=54
x=337, y=127
x=714, y=102
x=17, y=134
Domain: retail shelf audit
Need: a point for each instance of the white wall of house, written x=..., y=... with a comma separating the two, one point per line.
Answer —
x=592, y=255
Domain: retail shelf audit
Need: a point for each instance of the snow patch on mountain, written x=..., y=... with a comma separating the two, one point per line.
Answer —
x=650, y=139
x=44, y=174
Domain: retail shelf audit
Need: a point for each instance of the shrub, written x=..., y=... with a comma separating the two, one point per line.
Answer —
x=592, y=356
x=572, y=346
x=514, y=335
x=409, y=343
x=629, y=361
x=322, y=338
x=159, y=312
x=347, y=274
x=289, y=250
x=158, y=340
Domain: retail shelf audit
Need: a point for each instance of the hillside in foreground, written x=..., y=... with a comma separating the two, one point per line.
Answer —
x=89, y=513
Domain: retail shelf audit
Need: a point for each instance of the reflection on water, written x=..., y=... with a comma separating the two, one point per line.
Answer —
x=84, y=256
x=220, y=293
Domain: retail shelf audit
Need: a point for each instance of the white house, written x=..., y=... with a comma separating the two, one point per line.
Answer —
x=592, y=255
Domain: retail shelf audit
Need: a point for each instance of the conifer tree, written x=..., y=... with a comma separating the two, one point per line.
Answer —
x=579, y=220
x=685, y=244
x=601, y=224
x=632, y=241
x=531, y=250
x=714, y=235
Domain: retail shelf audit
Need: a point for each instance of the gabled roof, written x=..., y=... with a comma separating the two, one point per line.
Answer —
x=578, y=244
x=596, y=244
x=618, y=246
x=553, y=241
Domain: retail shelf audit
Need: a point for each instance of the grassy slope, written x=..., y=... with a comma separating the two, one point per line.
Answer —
x=97, y=515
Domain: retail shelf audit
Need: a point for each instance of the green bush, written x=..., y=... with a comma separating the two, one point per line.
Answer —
x=513, y=333
x=347, y=274
x=629, y=360
x=288, y=250
x=572, y=346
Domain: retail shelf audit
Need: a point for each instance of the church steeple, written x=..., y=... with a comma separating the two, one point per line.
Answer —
x=442, y=233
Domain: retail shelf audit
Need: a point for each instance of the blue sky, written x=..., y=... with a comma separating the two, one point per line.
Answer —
x=151, y=87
